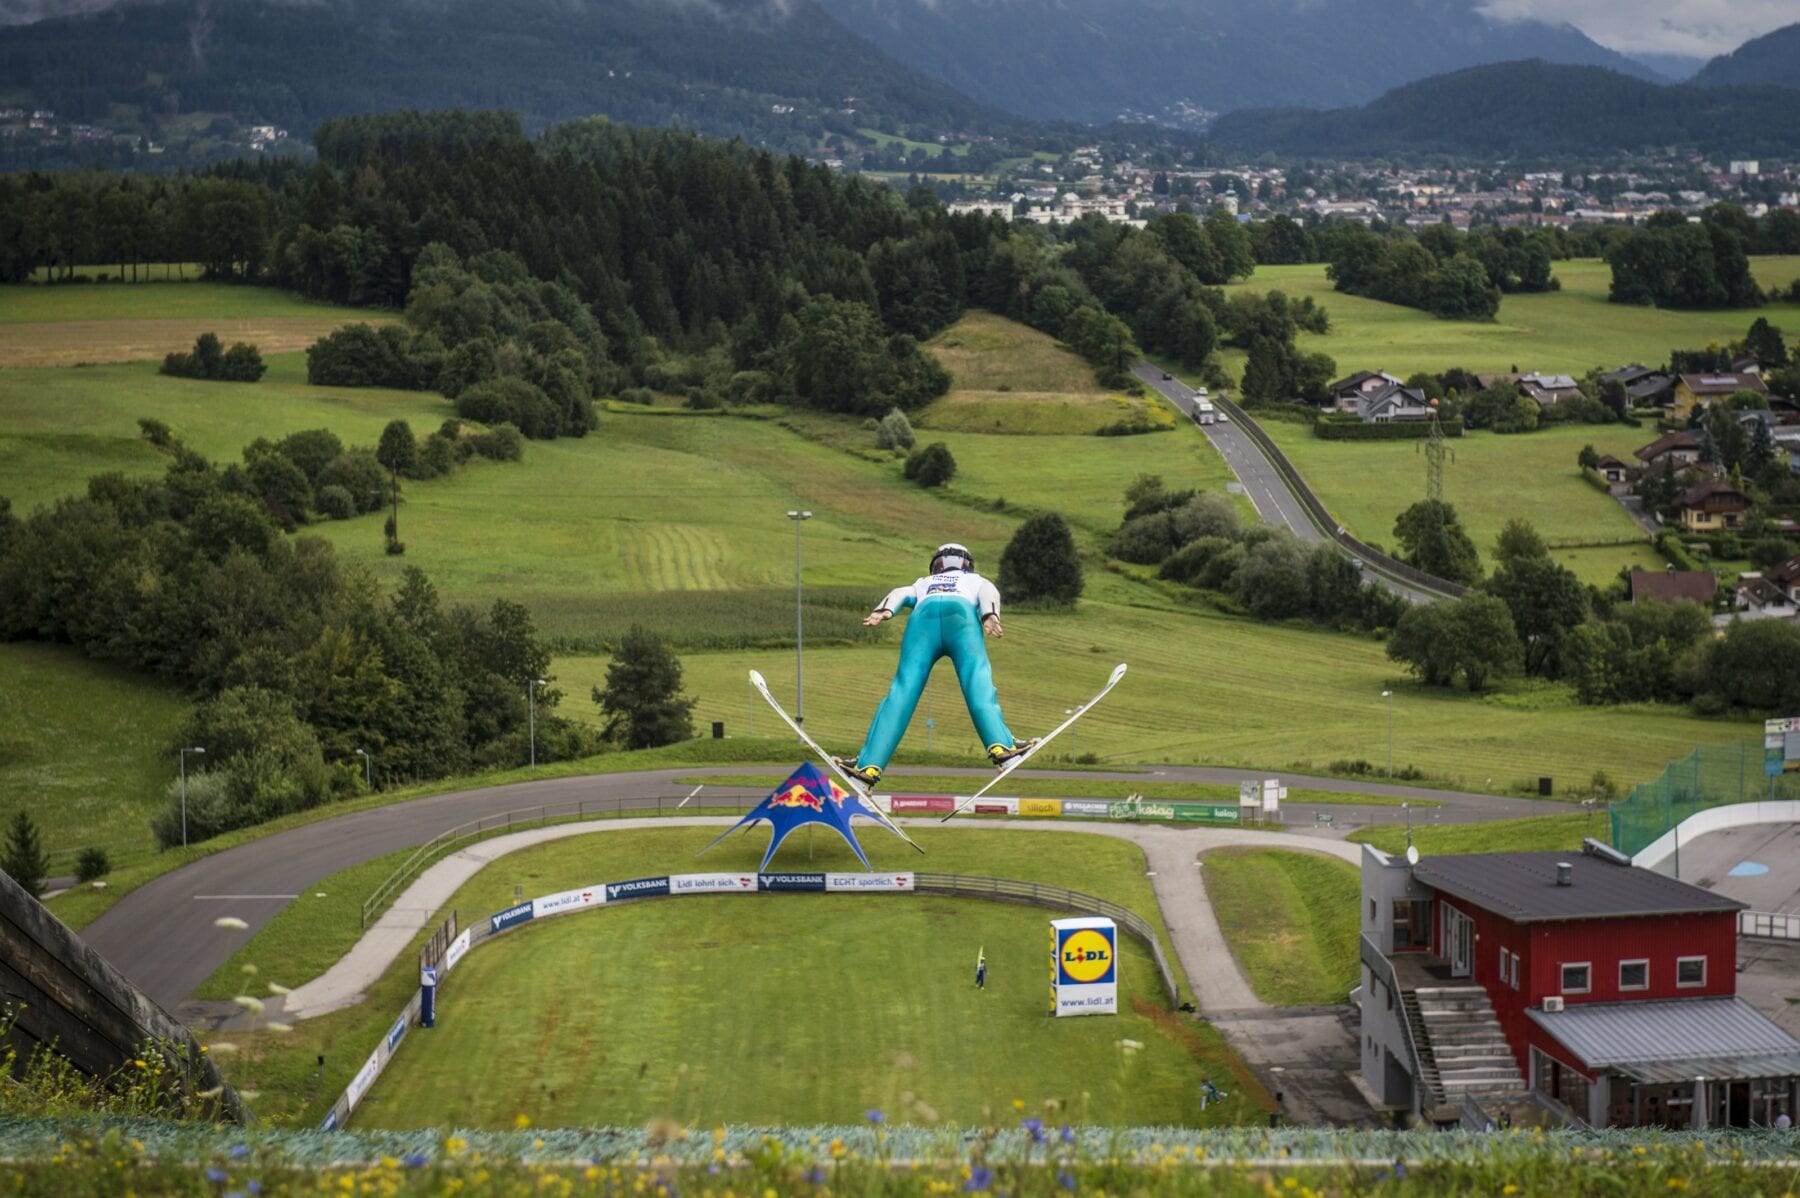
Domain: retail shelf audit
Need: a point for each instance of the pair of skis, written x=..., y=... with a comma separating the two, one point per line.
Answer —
x=857, y=785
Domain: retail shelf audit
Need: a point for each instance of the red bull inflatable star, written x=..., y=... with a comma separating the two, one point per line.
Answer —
x=810, y=796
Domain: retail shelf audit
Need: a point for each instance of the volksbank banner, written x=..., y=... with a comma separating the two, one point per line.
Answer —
x=636, y=888
x=502, y=920
x=889, y=882
x=1101, y=807
x=457, y=948
x=712, y=883
x=791, y=881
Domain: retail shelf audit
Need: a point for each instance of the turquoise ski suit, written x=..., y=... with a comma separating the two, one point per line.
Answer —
x=946, y=621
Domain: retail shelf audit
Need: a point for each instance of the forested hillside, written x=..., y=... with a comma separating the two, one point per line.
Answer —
x=1771, y=60
x=774, y=73
x=1527, y=109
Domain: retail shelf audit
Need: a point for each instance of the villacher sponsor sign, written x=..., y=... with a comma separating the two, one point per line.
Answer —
x=502, y=920
x=712, y=883
x=636, y=888
x=889, y=882
x=791, y=881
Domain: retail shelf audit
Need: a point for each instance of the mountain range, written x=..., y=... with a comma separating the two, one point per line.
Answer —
x=1772, y=59
x=1096, y=60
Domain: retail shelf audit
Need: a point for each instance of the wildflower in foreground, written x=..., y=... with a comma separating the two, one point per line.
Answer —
x=876, y=1117
x=1066, y=1180
x=980, y=1178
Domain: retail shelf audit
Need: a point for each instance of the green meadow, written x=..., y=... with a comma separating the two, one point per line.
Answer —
x=1568, y=331
x=1491, y=478
x=1291, y=920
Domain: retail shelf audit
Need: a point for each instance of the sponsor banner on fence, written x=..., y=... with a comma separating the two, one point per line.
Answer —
x=567, y=900
x=636, y=888
x=921, y=803
x=1206, y=813
x=397, y=1033
x=995, y=807
x=501, y=920
x=1040, y=807
x=458, y=947
x=868, y=881
x=712, y=883
x=791, y=881
x=365, y=1077
x=1086, y=807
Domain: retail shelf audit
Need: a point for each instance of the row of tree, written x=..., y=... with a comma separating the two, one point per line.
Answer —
x=1673, y=262
x=1194, y=538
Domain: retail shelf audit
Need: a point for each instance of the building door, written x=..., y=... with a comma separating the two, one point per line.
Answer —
x=1460, y=932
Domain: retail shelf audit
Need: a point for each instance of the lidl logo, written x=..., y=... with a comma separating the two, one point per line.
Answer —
x=1086, y=955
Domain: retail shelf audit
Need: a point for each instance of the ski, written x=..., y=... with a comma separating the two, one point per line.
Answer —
x=1027, y=755
x=855, y=784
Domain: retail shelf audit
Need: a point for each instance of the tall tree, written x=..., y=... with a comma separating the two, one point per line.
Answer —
x=24, y=861
x=1040, y=563
x=642, y=702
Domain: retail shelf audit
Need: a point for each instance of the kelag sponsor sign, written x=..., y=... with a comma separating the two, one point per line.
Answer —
x=791, y=881
x=636, y=888
x=889, y=882
x=502, y=920
x=712, y=884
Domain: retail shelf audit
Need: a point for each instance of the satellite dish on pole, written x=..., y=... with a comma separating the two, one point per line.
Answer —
x=1412, y=854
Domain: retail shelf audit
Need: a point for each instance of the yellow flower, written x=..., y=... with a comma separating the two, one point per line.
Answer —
x=1676, y=1183
x=1509, y=1188
x=522, y=1120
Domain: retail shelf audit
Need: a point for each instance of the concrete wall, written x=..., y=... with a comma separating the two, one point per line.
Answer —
x=1660, y=853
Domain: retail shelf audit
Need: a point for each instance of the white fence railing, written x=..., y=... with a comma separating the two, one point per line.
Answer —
x=1769, y=925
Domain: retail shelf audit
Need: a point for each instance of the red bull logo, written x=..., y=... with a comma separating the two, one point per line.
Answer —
x=797, y=795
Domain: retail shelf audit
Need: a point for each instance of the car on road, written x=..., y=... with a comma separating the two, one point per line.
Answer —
x=1167, y=377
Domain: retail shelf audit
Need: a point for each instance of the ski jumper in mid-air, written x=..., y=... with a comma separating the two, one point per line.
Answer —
x=952, y=608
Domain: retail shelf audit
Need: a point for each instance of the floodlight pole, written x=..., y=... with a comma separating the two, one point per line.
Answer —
x=1389, y=696
x=182, y=755
x=799, y=629
x=531, y=704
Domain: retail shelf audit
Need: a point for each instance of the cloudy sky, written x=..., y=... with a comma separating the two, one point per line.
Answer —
x=1698, y=27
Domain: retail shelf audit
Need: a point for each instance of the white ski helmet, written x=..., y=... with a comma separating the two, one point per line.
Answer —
x=952, y=557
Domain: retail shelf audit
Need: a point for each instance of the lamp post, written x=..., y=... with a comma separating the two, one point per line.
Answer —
x=182, y=754
x=799, y=660
x=1074, y=747
x=531, y=704
x=368, y=769
x=1389, y=696
x=1407, y=808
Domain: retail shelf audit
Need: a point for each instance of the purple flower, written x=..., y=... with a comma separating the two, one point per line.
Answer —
x=876, y=1117
x=239, y=1151
x=1036, y=1128
x=215, y=1175
x=980, y=1178
x=816, y=1176
x=1067, y=1134
x=255, y=1187
x=1066, y=1180
x=416, y=1160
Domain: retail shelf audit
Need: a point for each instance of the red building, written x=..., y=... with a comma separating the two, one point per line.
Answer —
x=1609, y=989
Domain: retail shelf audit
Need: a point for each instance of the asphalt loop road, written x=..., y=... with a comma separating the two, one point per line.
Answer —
x=162, y=936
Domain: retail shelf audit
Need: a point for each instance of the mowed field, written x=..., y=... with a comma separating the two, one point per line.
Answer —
x=1490, y=478
x=127, y=322
x=1568, y=331
x=1291, y=920
x=1013, y=379
x=87, y=748
x=792, y=1008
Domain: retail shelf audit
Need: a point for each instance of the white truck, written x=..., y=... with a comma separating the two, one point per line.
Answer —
x=1203, y=410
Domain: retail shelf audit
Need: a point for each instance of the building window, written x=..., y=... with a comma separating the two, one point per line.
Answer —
x=1575, y=978
x=1371, y=910
x=1690, y=971
x=1412, y=924
x=1634, y=975
x=1503, y=963
x=1515, y=971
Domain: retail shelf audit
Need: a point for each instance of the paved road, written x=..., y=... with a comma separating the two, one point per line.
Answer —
x=1266, y=489
x=162, y=937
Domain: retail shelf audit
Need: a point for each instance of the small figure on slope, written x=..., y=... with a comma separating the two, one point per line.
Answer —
x=952, y=607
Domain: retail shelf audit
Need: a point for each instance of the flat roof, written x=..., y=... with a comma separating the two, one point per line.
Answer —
x=1675, y=1039
x=1522, y=887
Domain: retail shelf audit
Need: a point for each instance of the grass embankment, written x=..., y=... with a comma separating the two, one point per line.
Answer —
x=87, y=748
x=1076, y=788
x=1569, y=331
x=1492, y=479
x=894, y=962
x=65, y=326
x=1539, y=834
x=1291, y=921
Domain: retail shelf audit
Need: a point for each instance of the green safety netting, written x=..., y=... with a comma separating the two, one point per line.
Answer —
x=1710, y=776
